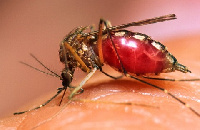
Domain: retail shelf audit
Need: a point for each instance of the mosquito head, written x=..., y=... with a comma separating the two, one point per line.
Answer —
x=66, y=77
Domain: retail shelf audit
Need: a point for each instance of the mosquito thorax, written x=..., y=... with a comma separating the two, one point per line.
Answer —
x=79, y=43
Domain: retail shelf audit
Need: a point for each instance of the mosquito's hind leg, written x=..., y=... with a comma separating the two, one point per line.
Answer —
x=169, y=79
x=113, y=77
x=167, y=92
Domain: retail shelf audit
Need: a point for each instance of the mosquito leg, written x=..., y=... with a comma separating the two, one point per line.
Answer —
x=165, y=91
x=81, y=90
x=78, y=59
x=167, y=79
x=42, y=105
x=143, y=22
x=113, y=77
x=99, y=43
x=113, y=44
x=65, y=88
x=83, y=82
x=146, y=21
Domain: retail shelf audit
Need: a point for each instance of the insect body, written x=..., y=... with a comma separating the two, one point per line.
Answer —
x=138, y=53
x=128, y=52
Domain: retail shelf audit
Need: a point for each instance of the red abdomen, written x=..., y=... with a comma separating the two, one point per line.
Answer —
x=138, y=53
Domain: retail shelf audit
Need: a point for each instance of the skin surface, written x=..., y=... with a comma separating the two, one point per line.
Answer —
x=38, y=27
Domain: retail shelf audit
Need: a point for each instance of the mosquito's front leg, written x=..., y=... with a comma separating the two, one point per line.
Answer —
x=78, y=59
x=83, y=82
x=42, y=105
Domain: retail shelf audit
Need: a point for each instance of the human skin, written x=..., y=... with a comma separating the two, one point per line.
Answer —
x=38, y=27
x=166, y=113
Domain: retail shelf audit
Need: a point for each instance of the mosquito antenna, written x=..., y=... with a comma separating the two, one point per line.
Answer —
x=44, y=65
x=39, y=69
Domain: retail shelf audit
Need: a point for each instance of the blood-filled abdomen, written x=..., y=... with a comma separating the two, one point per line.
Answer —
x=138, y=53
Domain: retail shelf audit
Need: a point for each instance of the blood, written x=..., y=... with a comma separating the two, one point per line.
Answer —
x=138, y=56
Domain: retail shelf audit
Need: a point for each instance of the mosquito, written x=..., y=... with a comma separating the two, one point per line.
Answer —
x=132, y=54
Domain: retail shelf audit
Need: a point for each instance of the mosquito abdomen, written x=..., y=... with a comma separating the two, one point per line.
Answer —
x=138, y=53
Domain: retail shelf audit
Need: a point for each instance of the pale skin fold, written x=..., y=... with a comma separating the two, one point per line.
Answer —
x=170, y=114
